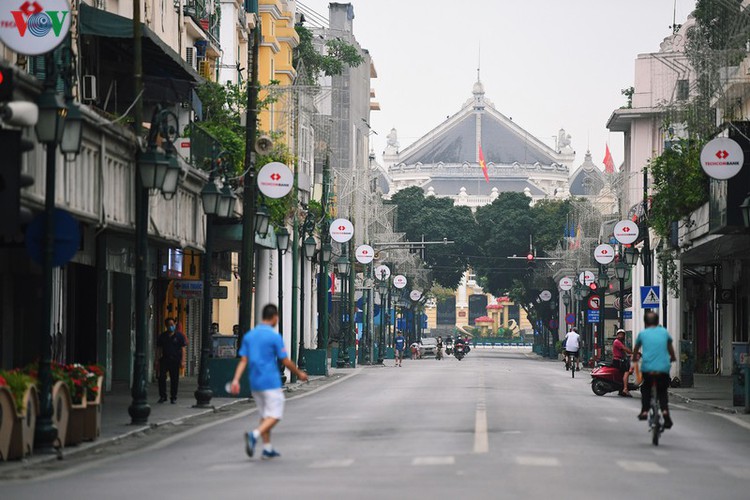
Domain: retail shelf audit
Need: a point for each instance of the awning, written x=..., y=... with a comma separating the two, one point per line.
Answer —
x=159, y=59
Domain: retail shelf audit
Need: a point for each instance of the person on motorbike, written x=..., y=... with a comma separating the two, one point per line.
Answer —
x=657, y=358
x=572, y=345
x=621, y=361
x=439, y=352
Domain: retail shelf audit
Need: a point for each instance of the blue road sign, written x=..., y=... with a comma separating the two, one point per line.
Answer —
x=627, y=315
x=570, y=318
x=650, y=297
x=592, y=315
x=67, y=238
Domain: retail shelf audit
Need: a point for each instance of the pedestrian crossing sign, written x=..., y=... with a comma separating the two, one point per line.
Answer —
x=650, y=297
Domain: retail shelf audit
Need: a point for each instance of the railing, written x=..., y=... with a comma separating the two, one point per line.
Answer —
x=207, y=15
x=203, y=147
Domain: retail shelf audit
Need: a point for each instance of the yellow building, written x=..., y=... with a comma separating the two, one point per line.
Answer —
x=279, y=38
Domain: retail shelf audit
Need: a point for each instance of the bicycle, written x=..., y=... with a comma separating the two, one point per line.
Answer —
x=655, y=418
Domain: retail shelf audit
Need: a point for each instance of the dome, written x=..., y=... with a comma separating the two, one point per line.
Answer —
x=478, y=88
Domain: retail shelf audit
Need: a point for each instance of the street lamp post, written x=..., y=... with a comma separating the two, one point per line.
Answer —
x=621, y=271
x=342, y=266
x=602, y=284
x=217, y=203
x=383, y=289
x=323, y=319
x=282, y=244
x=309, y=246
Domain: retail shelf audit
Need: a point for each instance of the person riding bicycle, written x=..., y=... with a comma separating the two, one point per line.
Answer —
x=621, y=361
x=656, y=361
x=572, y=345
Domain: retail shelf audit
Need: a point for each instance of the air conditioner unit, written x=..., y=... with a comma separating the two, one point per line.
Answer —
x=89, y=88
x=190, y=57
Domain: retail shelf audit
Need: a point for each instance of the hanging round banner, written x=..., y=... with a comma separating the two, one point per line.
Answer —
x=604, y=254
x=275, y=180
x=586, y=278
x=341, y=230
x=722, y=158
x=626, y=232
x=566, y=283
x=415, y=295
x=364, y=254
x=382, y=272
x=546, y=295
x=36, y=27
x=399, y=281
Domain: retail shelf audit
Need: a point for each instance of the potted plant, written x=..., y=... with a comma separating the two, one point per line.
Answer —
x=93, y=415
x=61, y=400
x=7, y=413
x=77, y=376
x=25, y=411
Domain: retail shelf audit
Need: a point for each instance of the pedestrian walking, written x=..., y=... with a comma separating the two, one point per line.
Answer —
x=261, y=351
x=170, y=344
x=400, y=344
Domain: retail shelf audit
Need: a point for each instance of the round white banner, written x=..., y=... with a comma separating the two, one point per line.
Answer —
x=566, y=283
x=275, y=180
x=722, y=158
x=399, y=281
x=546, y=295
x=341, y=230
x=604, y=254
x=586, y=278
x=34, y=27
x=626, y=232
x=415, y=295
x=364, y=254
x=382, y=272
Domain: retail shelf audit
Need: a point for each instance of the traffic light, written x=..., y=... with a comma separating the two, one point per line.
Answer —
x=12, y=180
x=530, y=262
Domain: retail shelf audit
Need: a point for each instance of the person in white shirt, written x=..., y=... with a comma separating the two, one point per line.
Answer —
x=572, y=345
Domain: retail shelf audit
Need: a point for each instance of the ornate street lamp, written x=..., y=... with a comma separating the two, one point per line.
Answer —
x=70, y=143
x=171, y=179
x=310, y=245
x=631, y=256
x=621, y=270
x=602, y=280
x=210, y=195
x=282, y=240
x=262, y=220
x=325, y=255
x=282, y=244
x=52, y=114
x=342, y=267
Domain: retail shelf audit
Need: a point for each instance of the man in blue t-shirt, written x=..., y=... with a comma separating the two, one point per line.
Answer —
x=656, y=361
x=262, y=349
x=400, y=344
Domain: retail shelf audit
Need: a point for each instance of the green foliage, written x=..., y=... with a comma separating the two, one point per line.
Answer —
x=338, y=55
x=222, y=109
x=436, y=219
x=680, y=185
x=442, y=293
x=17, y=382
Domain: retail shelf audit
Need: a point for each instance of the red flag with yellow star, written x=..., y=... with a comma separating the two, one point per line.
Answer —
x=483, y=164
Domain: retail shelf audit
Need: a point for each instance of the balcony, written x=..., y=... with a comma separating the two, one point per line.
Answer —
x=206, y=16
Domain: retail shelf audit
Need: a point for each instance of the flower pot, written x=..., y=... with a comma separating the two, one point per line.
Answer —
x=22, y=439
x=74, y=433
x=92, y=416
x=61, y=407
x=7, y=419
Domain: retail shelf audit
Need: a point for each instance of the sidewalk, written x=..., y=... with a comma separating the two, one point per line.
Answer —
x=709, y=391
x=116, y=424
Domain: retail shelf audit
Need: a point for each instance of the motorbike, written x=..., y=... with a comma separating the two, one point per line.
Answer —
x=449, y=348
x=459, y=351
x=439, y=353
x=605, y=378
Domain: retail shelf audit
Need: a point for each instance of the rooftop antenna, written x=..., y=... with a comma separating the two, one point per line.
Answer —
x=479, y=63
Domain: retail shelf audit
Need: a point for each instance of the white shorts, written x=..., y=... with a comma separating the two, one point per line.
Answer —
x=270, y=403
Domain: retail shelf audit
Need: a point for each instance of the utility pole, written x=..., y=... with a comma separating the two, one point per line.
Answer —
x=646, y=252
x=247, y=257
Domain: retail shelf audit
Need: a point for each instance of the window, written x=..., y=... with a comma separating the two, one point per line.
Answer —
x=683, y=90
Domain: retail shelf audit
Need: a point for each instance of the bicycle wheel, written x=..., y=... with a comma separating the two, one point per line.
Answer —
x=655, y=420
x=573, y=369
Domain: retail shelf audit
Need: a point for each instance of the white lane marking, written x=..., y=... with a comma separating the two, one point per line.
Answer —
x=733, y=419
x=738, y=472
x=339, y=417
x=610, y=419
x=511, y=432
x=481, y=437
x=230, y=467
x=332, y=464
x=642, y=466
x=538, y=461
x=422, y=461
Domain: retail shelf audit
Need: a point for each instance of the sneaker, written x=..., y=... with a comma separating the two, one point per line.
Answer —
x=642, y=416
x=250, y=444
x=667, y=421
x=162, y=400
x=270, y=455
x=173, y=401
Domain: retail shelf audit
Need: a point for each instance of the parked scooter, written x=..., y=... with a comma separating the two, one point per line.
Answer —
x=449, y=347
x=605, y=378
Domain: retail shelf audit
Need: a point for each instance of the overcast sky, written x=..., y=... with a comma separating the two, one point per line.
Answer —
x=545, y=63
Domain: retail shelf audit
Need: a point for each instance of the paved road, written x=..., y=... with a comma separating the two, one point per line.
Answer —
x=496, y=425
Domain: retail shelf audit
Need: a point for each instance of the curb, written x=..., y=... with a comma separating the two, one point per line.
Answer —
x=36, y=460
x=707, y=406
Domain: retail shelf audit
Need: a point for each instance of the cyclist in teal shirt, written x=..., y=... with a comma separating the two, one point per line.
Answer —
x=657, y=358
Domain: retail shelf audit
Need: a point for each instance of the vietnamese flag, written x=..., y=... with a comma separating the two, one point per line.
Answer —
x=609, y=163
x=483, y=164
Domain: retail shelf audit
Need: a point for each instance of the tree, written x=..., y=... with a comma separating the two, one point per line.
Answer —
x=337, y=55
x=436, y=219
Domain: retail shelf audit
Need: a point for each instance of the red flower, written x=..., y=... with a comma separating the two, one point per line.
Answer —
x=3, y=382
